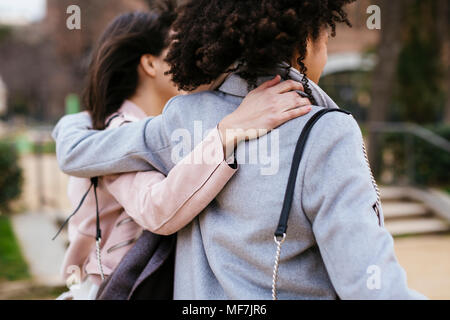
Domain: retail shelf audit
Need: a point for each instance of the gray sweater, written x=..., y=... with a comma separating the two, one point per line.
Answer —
x=336, y=245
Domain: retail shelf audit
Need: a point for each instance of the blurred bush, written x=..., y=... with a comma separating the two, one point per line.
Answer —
x=430, y=164
x=48, y=147
x=11, y=179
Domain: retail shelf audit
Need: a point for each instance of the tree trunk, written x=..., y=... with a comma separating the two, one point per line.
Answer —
x=443, y=25
x=384, y=75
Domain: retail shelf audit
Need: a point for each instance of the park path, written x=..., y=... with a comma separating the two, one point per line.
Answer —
x=35, y=231
x=426, y=260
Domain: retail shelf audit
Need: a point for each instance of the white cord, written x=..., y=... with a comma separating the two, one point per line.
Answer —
x=374, y=182
x=276, y=266
x=99, y=258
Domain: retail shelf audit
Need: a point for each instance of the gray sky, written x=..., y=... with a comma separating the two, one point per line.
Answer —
x=21, y=11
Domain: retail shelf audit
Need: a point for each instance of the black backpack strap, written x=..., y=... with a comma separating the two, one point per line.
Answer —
x=289, y=195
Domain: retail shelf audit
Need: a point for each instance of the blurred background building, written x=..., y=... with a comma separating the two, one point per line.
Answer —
x=395, y=81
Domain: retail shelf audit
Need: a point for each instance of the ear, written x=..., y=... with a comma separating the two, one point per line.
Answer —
x=147, y=64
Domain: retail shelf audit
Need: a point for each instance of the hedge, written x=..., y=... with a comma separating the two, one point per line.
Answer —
x=11, y=179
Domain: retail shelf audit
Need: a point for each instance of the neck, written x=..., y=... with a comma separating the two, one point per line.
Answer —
x=149, y=101
x=214, y=84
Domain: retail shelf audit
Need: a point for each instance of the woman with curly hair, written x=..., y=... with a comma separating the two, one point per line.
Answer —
x=337, y=245
x=126, y=82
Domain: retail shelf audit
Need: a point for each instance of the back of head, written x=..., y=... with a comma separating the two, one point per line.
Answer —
x=211, y=35
x=113, y=74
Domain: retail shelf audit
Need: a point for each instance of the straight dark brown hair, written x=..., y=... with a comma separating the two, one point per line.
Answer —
x=113, y=73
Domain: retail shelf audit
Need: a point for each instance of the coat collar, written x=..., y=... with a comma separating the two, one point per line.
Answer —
x=236, y=86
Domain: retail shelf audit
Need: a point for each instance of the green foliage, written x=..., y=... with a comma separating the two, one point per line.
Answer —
x=12, y=264
x=45, y=148
x=72, y=104
x=25, y=146
x=4, y=32
x=10, y=175
x=431, y=164
x=419, y=96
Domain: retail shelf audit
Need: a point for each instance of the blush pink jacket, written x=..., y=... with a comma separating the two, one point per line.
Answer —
x=132, y=202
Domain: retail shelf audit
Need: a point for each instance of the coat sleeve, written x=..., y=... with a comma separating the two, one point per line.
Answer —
x=85, y=153
x=164, y=205
x=339, y=199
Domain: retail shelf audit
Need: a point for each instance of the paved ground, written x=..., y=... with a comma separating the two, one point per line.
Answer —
x=426, y=260
x=29, y=290
x=34, y=232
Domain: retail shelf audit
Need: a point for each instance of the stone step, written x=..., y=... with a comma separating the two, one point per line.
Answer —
x=392, y=193
x=396, y=210
x=416, y=226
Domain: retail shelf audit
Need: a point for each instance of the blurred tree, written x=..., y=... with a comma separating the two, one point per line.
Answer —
x=73, y=47
x=44, y=62
x=412, y=78
x=28, y=68
x=419, y=95
x=384, y=75
x=443, y=27
x=4, y=32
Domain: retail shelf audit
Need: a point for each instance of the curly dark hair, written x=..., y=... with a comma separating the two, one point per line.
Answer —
x=210, y=35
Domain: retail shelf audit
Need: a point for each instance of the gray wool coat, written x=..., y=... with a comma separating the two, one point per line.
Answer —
x=336, y=245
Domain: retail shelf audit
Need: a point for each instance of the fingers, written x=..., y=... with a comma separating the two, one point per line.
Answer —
x=269, y=83
x=295, y=113
x=302, y=102
x=291, y=100
x=286, y=86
